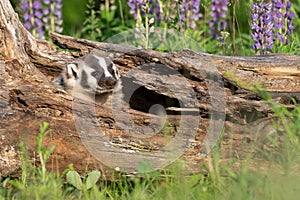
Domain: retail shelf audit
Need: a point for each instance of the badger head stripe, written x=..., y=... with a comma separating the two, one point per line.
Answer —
x=101, y=64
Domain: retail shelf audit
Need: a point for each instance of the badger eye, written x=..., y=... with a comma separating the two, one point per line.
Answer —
x=96, y=74
x=110, y=68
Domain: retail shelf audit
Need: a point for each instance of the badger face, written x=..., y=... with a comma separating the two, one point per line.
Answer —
x=94, y=74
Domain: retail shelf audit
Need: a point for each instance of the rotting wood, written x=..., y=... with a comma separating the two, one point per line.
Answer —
x=28, y=96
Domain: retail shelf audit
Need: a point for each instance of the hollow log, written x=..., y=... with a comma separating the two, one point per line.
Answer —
x=221, y=86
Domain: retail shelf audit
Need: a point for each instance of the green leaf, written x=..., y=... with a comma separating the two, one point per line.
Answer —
x=195, y=179
x=111, y=16
x=103, y=14
x=74, y=179
x=92, y=179
x=17, y=184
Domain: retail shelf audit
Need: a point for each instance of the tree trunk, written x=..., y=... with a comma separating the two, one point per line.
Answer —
x=97, y=137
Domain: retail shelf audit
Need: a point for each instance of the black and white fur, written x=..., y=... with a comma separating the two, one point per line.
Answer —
x=91, y=78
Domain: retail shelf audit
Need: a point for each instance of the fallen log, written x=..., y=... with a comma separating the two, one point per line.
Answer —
x=200, y=93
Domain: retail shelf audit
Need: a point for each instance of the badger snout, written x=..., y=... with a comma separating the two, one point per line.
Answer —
x=108, y=83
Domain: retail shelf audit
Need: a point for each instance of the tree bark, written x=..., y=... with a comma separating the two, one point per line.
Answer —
x=29, y=97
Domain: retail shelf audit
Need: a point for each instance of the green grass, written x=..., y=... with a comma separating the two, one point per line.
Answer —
x=277, y=180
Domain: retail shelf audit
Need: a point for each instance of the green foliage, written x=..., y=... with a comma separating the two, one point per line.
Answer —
x=100, y=20
x=101, y=24
x=92, y=179
x=74, y=179
x=35, y=182
x=73, y=16
x=91, y=29
x=43, y=152
x=285, y=144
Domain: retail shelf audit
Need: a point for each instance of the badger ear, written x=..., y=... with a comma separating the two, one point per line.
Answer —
x=72, y=70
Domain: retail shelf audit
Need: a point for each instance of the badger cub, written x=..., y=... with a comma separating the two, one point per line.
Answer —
x=91, y=78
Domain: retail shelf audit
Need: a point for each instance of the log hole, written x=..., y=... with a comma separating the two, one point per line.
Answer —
x=141, y=99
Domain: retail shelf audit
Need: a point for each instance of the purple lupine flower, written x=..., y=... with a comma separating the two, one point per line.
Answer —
x=38, y=14
x=136, y=6
x=54, y=16
x=262, y=27
x=42, y=16
x=37, y=5
x=27, y=25
x=156, y=9
x=288, y=15
x=46, y=11
x=218, y=13
x=278, y=5
x=46, y=2
x=189, y=13
x=272, y=20
x=32, y=14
